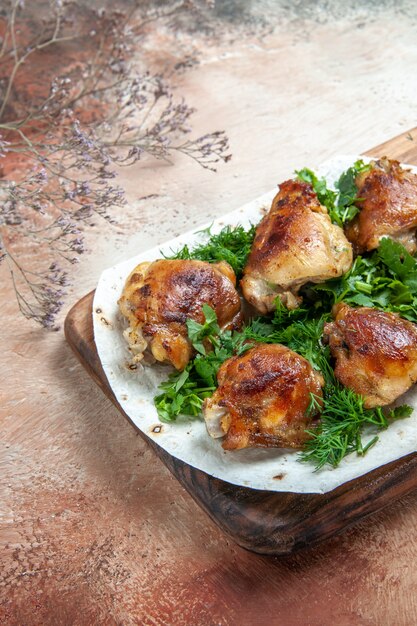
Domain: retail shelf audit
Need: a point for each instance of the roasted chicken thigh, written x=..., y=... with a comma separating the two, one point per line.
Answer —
x=159, y=297
x=295, y=243
x=388, y=207
x=262, y=399
x=375, y=352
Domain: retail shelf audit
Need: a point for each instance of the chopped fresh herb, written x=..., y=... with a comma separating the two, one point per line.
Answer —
x=208, y=331
x=282, y=315
x=325, y=196
x=184, y=392
x=346, y=206
x=341, y=204
x=400, y=262
x=343, y=416
x=386, y=280
x=302, y=336
x=231, y=244
x=341, y=425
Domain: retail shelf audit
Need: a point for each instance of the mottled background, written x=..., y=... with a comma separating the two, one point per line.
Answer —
x=94, y=530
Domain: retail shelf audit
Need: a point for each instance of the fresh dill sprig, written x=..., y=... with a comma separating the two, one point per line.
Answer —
x=303, y=336
x=231, y=244
x=340, y=430
x=283, y=316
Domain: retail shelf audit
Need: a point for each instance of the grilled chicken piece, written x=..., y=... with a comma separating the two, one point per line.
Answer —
x=295, y=243
x=388, y=207
x=375, y=352
x=262, y=399
x=159, y=297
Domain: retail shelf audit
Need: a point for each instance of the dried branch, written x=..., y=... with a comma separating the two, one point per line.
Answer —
x=97, y=114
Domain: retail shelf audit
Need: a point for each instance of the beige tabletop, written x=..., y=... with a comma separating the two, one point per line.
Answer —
x=93, y=527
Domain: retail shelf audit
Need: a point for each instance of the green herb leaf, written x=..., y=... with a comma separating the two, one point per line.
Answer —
x=347, y=199
x=325, y=196
x=231, y=244
x=386, y=280
x=341, y=426
x=399, y=412
x=400, y=262
x=341, y=204
x=184, y=392
x=197, y=333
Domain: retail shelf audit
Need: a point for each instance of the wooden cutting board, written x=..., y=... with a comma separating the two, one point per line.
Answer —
x=263, y=521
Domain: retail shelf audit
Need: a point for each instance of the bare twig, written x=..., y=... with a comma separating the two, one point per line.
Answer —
x=69, y=159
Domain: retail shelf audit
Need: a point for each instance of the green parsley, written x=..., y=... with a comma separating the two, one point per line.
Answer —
x=347, y=199
x=325, y=196
x=387, y=280
x=208, y=331
x=184, y=392
x=341, y=204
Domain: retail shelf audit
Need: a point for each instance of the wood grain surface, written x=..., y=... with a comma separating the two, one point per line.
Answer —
x=269, y=522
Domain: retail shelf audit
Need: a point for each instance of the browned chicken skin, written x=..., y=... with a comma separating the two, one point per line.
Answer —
x=376, y=352
x=262, y=399
x=159, y=297
x=388, y=207
x=295, y=243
